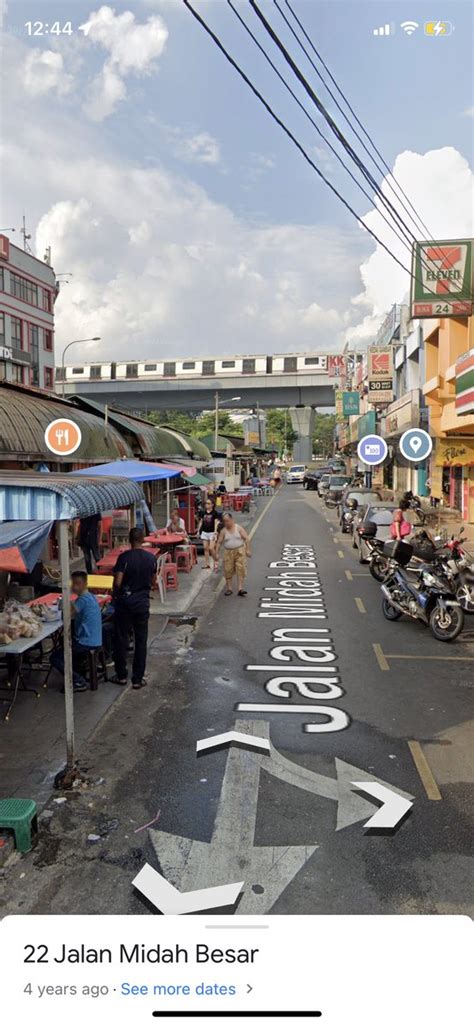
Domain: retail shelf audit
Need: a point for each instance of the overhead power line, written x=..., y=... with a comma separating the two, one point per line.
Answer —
x=417, y=220
x=392, y=227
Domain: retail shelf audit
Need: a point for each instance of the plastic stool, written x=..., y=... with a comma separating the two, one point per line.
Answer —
x=170, y=576
x=184, y=559
x=19, y=815
x=238, y=503
x=97, y=666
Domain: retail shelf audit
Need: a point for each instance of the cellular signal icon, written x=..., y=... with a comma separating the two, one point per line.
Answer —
x=385, y=30
x=409, y=27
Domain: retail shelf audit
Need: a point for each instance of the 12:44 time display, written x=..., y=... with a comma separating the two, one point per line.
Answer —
x=42, y=28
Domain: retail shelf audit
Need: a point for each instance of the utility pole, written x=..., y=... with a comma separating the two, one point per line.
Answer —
x=216, y=422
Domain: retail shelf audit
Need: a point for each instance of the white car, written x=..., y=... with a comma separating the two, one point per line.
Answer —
x=295, y=474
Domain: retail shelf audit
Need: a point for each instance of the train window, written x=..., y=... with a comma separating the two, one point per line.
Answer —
x=96, y=372
x=150, y=367
x=248, y=366
x=169, y=370
x=289, y=363
x=311, y=361
x=132, y=370
x=60, y=373
x=189, y=365
x=77, y=370
x=269, y=364
x=227, y=364
x=208, y=367
x=113, y=370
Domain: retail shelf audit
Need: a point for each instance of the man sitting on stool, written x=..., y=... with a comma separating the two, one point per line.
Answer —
x=87, y=630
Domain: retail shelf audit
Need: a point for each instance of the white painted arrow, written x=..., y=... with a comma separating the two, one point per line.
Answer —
x=394, y=807
x=170, y=901
x=235, y=737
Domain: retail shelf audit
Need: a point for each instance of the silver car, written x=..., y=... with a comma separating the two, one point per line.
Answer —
x=381, y=514
x=323, y=484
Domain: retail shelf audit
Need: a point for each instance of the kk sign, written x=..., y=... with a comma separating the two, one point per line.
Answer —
x=442, y=279
x=350, y=404
x=465, y=383
x=380, y=374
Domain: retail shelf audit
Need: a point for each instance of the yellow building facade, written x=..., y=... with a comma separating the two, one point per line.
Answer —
x=452, y=463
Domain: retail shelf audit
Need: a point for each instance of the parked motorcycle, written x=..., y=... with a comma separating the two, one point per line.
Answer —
x=425, y=596
x=414, y=503
x=458, y=566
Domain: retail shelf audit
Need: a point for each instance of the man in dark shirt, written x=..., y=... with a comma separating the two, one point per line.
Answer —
x=89, y=539
x=134, y=576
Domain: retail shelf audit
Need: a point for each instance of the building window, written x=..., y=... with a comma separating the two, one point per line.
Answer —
x=16, y=335
x=96, y=372
x=23, y=289
x=169, y=370
x=269, y=364
x=228, y=364
x=3, y=370
x=47, y=302
x=150, y=366
x=34, y=350
x=48, y=377
x=17, y=373
x=189, y=365
x=2, y=279
x=77, y=370
x=248, y=366
x=48, y=340
x=208, y=367
x=2, y=329
x=311, y=361
x=132, y=370
x=289, y=364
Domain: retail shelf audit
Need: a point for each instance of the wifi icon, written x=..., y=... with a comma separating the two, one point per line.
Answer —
x=409, y=27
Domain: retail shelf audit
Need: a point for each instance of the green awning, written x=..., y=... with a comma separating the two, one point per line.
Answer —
x=199, y=479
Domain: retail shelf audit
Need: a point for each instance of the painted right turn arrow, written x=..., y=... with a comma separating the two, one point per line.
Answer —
x=394, y=807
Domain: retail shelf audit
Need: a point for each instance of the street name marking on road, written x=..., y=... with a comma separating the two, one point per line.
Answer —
x=233, y=737
x=170, y=901
x=232, y=853
x=394, y=807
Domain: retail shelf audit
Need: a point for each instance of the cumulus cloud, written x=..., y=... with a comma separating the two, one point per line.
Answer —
x=201, y=148
x=440, y=185
x=132, y=47
x=44, y=72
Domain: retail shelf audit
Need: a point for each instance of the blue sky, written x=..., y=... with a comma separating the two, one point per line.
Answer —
x=183, y=114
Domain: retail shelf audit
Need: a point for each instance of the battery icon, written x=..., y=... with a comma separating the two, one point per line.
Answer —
x=438, y=28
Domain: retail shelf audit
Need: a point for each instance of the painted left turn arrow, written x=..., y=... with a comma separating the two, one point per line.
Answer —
x=172, y=902
x=394, y=807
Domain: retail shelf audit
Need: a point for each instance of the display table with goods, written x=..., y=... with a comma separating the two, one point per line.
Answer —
x=22, y=630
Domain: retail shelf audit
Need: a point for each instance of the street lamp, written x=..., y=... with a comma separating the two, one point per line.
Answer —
x=73, y=343
x=235, y=398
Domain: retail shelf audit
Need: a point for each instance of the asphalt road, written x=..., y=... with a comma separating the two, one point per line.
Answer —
x=289, y=824
x=394, y=694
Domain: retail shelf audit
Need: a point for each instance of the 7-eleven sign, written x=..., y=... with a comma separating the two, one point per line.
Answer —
x=442, y=278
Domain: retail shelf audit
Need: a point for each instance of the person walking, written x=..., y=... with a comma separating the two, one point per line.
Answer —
x=400, y=527
x=236, y=544
x=88, y=538
x=207, y=530
x=86, y=631
x=134, y=576
x=277, y=477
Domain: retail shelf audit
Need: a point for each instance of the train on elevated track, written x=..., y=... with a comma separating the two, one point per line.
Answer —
x=145, y=370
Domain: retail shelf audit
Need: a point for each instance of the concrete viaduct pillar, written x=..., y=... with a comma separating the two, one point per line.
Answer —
x=302, y=421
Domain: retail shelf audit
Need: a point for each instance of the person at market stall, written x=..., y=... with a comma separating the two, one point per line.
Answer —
x=207, y=529
x=88, y=538
x=176, y=525
x=221, y=488
x=236, y=543
x=86, y=631
x=134, y=577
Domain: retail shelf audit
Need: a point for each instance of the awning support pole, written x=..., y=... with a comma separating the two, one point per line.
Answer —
x=68, y=688
x=133, y=515
x=168, y=500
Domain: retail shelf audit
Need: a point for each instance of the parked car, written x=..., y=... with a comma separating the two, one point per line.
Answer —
x=313, y=476
x=361, y=495
x=335, y=487
x=323, y=483
x=295, y=473
x=381, y=514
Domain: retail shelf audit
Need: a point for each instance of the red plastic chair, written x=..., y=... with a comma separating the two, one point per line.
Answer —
x=184, y=559
x=238, y=503
x=170, y=576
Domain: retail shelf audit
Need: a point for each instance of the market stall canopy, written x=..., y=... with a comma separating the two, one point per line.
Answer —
x=146, y=438
x=133, y=470
x=25, y=415
x=26, y=495
x=21, y=544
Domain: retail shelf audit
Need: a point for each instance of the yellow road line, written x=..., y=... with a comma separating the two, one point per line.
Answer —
x=360, y=605
x=336, y=541
x=340, y=554
x=380, y=657
x=348, y=575
x=424, y=772
x=448, y=659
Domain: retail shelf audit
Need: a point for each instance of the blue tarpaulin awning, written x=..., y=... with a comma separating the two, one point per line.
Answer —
x=133, y=470
x=21, y=544
x=27, y=495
